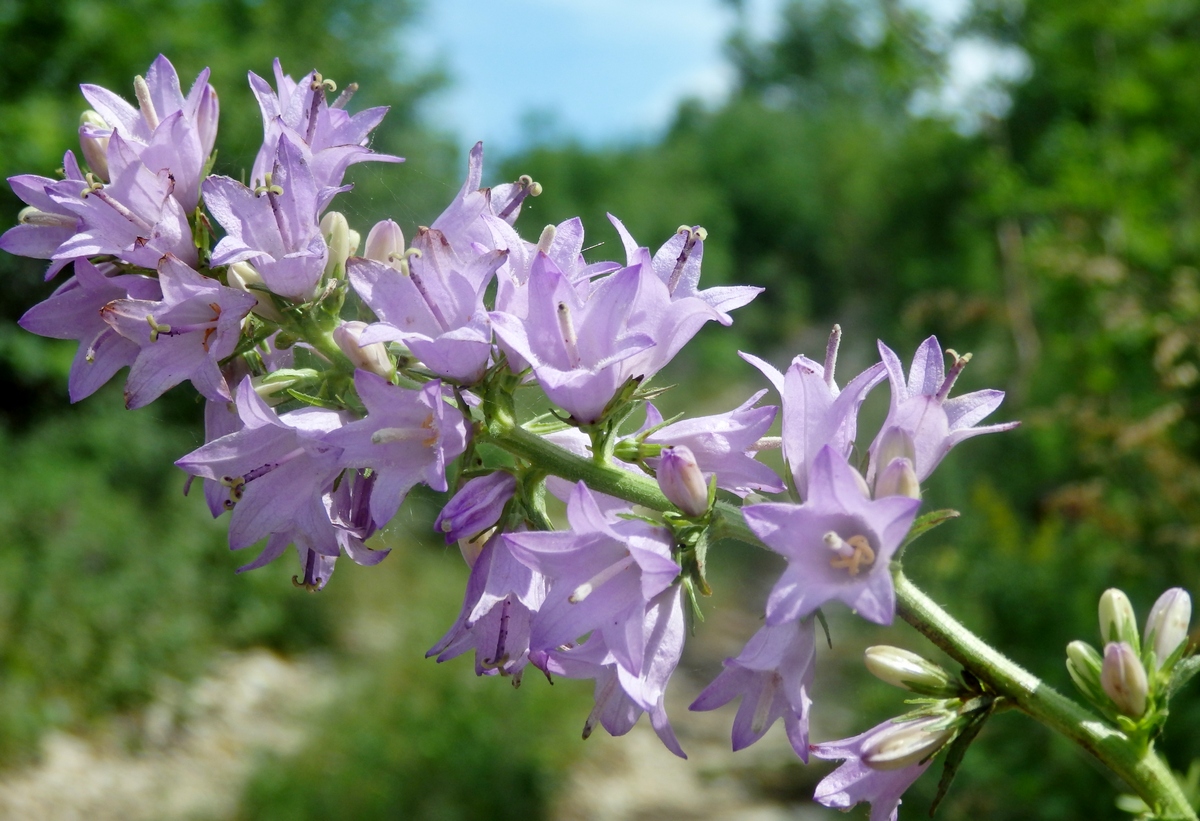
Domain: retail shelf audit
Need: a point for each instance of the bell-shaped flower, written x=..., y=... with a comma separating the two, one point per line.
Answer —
x=856, y=781
x=838, y=544
x=466, y=222
x=43, y=225
x=73, y=312
x=621, y=695
x=921, y=407
x=135, y=217
x=276, y=226
x=722, y=444
x=501, y=598
x=603, y=572
x=278, y=469
x=408, y=436
x=816, y=412
x=185, y=335
x=577, y=344
x=773, y=675
x=329, y=137
x=167, y=130
x=433, y=304
x=677, y=265
x=349, y=509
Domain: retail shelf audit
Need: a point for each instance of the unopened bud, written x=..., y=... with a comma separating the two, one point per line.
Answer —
x=1168, y=622
x=336, y=231
x=1124, y=679
x=901, y=745
x=93, y=145
x=898, y=479
x=906, y=670
x=242, y=275
x=385, y=243
x=1084, y=664
x=1117, y=622
x=681, y=481
x=478, y=505
x=373, y=357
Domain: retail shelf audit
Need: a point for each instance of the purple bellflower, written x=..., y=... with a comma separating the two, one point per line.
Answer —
x=408, y=436
x=838, y=544
x=677, y=265
x=773, y=674
x=278, y=469
x=816, y=412
x=501, y=598
x=43, y=225
x=466, y=222
x=73, y=312
x=856, y=781
x=576, y=343
x=195, y=325
x=921, y=408
x=433, y=304
x=134, y=217
x=329, y=138
x=276, y=226
x=166, y=130
x=349, y=509
x=722, y=444
x=603, y=571
x=622, y=696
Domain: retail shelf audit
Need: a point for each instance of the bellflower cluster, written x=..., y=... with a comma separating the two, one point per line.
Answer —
x=337, y=379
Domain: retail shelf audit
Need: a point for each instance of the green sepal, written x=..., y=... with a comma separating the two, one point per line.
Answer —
x=1181, y=674
x=927, y=522
x=315, y=401
x=956, y=750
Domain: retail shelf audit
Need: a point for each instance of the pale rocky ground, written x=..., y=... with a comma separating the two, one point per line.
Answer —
x=199, y=747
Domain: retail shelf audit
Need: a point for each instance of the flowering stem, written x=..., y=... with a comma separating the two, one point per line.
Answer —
x=1139, y=767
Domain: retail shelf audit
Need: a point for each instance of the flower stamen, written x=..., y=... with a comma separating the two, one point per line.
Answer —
x=853, y=554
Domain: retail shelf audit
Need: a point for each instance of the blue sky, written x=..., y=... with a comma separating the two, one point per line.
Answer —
x=596, y=70
x=604, y=71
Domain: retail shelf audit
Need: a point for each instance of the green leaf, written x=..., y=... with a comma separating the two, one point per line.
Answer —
x=315, y=401
x=957, y=750
x=1182, y=674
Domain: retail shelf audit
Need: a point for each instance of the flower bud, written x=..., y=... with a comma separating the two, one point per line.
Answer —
x=906, y=670
x=1117, y=622
x=901, y=745
x=681, y=481
x=373, y=357
x=478, y=505
x=1168, y=622
x=1124, y=679
x=385, y=243
x=336, y=231
x=93, y=141
x=1084, y=664
x=207, y=114
x=241, y=275
x=898, y=479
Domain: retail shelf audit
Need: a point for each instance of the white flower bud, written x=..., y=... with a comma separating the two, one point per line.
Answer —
x=1084, y=664
x=907, y=743
x=1168, y=622
x=336, y=231
x=681, y=481
x=373, y=357
x=471, y=548
x=906, y=670
x=385, y=243
x=1117, y=622
x=1124, y=679
x=95, y=148
x=898, y=479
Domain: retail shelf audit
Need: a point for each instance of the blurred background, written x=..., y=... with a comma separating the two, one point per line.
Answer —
x=1020, y=178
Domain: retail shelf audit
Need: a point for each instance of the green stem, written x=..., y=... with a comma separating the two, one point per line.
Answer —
x=1143, y=770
